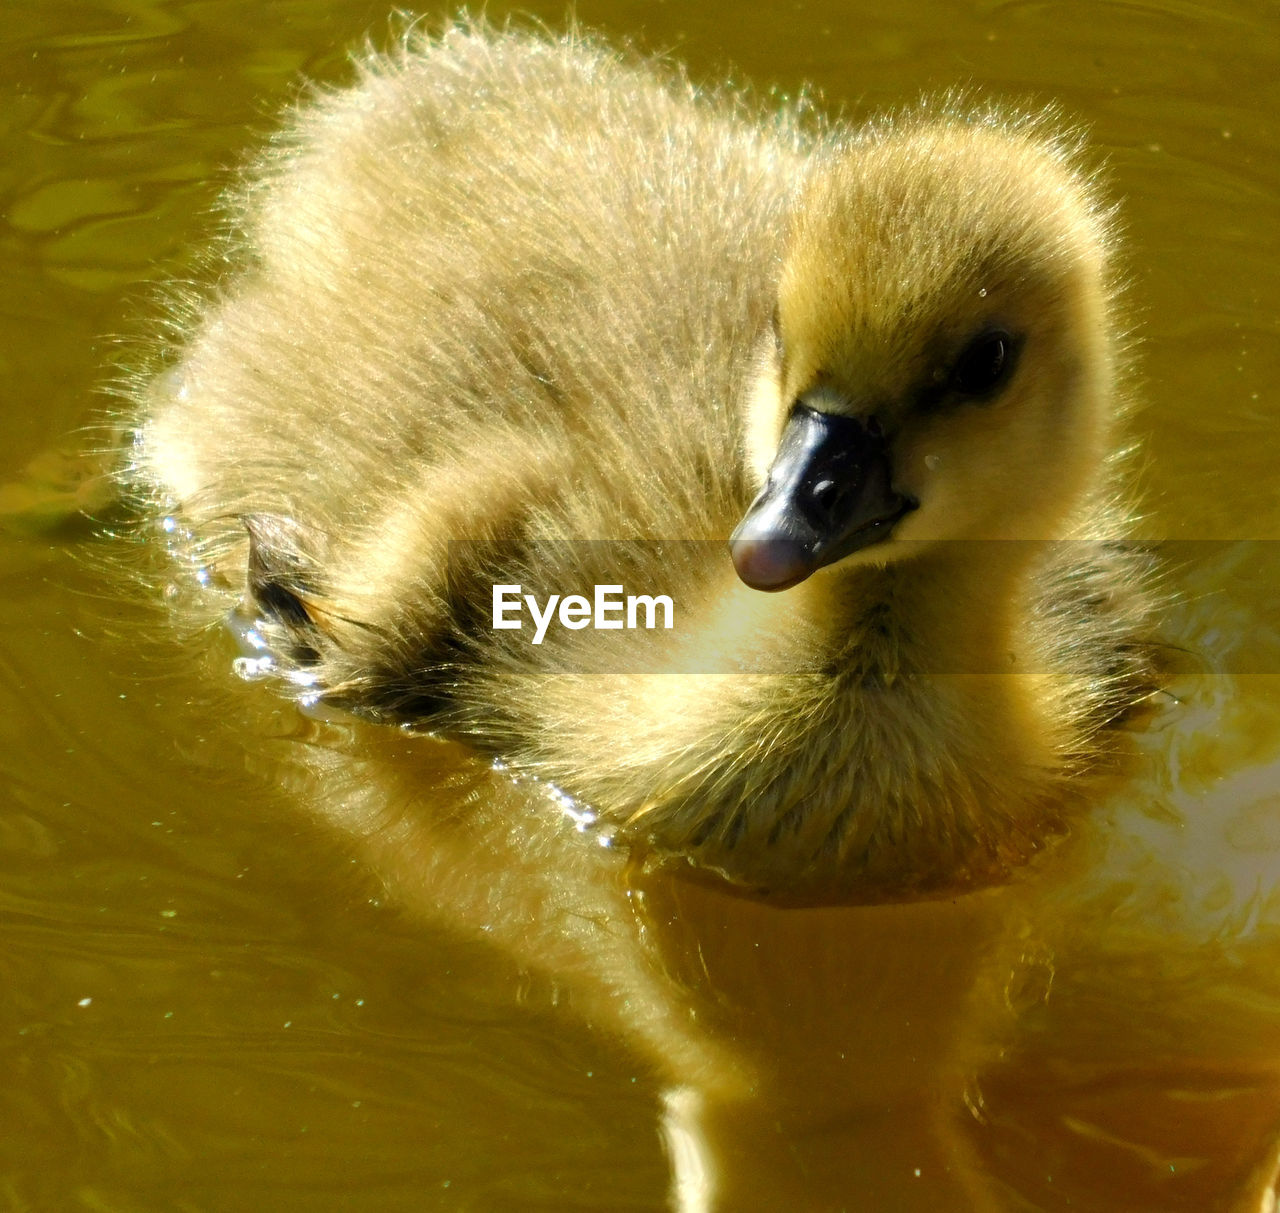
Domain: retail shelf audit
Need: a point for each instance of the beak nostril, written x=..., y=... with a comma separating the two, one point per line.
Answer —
x=823, y=494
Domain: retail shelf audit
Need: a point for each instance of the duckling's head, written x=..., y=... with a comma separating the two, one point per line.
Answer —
x=943, y=351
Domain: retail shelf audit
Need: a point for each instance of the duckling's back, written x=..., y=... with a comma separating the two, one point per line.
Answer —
x=504, y=282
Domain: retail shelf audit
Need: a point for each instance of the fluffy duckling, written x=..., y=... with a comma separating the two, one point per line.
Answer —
x=511, y=294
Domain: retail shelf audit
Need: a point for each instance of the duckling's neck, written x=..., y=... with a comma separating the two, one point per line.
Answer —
x=945, y=611
x=921, y=752
x=956, y=623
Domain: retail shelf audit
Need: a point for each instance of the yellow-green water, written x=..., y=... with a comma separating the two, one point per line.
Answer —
x=209, y=1001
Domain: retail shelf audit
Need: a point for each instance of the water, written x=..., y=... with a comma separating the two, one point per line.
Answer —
x=213, y=1000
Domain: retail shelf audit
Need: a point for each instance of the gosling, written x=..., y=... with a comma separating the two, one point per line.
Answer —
x=512, y=293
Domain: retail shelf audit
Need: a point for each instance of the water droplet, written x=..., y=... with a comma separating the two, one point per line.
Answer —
x=251, y=669
x=1030, y=982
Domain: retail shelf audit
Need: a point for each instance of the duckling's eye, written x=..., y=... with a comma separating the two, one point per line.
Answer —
x=985, y=364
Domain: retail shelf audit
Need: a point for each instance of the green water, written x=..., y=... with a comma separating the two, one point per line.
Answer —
x=208, y=998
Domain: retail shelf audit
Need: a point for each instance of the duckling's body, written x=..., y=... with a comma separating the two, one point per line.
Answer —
x=509, y=292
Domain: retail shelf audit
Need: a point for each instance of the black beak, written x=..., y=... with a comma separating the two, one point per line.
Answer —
x=829, y=493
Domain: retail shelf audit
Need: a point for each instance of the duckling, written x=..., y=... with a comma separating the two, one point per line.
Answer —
x=516, y=310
